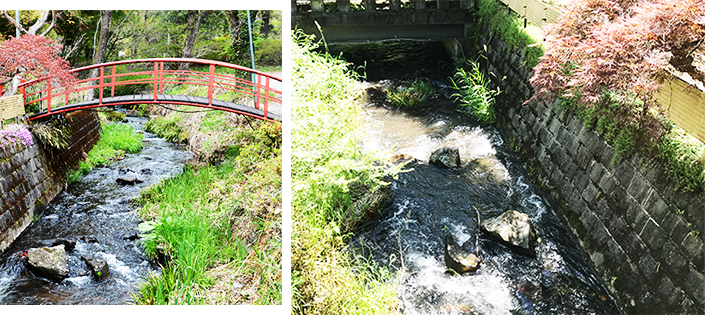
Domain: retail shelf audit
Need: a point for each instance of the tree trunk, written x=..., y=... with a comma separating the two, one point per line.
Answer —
x=99, y=56
x=265, y=23
x=194, y=24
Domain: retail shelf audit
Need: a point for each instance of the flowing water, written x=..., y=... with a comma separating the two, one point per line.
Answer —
x=98, y=214
x=428, y=202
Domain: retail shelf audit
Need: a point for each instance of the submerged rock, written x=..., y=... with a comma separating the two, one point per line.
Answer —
x=88, y=239
x=128, y=180
x=49, y=262
x=98, y=266
x=400, y=158
x=448, y=157
x=457, y=258
x=513, y=228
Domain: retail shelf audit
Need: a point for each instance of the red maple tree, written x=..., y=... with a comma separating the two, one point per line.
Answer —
x=30, y=56
x=620, y=49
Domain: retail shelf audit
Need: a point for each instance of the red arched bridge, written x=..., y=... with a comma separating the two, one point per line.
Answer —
x=143, y=81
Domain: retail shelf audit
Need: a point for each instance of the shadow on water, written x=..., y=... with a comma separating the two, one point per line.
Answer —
x=428, y=202
x=98, y=214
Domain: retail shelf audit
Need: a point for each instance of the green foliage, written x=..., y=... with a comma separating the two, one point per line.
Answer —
x=474, y=92
x=115, y=140
x=410, y=96
x=54, y=134
x=330, y=176
x=169, y=128
x=511, y=29
x=115, y=116
x=682, y=154
x=268, y=52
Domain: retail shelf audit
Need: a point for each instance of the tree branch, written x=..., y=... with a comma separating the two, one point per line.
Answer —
x=53, y=21
x=16, y=23
x=40, y=22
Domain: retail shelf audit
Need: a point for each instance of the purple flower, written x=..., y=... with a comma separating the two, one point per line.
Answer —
x=15, y=134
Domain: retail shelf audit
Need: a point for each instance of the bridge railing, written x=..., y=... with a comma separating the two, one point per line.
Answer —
x=156, y=75
x=302, y=6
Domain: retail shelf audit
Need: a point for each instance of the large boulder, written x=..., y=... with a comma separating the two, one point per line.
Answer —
x=49, y=262
x=458, y=259
x=513, y=228
x=98, y=266
x=448, y=157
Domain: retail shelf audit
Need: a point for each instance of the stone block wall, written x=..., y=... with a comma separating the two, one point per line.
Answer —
x=31, y=177
x=644, y=237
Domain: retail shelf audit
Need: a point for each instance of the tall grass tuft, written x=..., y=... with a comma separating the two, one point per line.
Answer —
x=474, y=92
x=328, y=170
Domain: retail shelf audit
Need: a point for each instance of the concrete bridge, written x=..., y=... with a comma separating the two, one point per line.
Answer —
x=376, y=20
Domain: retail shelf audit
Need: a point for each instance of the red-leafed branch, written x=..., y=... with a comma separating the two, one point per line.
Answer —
x=32, y=56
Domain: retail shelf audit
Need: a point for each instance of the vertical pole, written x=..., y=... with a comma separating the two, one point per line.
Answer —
x=48, y=95
x=394, y=5
x=370, y=5
x=211, y=81
x=252, y=52
x=17, y=28
x=100, y=88
x=294, y=8
x=259, y=91
x=266, y=97
x=154, y=89
x=161, y=77
x=343, y=5
x=112, y=83
x=22, y=90
x=419, y=5
x=317, y=6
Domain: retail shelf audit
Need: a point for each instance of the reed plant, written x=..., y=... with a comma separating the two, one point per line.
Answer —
x=474, y=93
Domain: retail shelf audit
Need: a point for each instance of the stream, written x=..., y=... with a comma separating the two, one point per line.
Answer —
x=428, y=202
x=98, y=214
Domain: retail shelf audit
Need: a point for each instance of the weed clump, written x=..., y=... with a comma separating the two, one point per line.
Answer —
x=409, y=96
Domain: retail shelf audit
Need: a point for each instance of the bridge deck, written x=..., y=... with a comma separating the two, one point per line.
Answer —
x=167, y=99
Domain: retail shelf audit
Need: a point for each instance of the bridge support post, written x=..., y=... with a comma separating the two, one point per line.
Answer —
x=370, y=5
x=420, y=5
x=467, y=4
x=317, y=6
x=394, y=5
x=343, y=5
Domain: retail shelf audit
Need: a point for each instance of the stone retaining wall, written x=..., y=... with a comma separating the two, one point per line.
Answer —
x=644, y=237
x=31, y=177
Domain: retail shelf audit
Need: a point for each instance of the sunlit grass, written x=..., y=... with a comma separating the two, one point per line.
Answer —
x=115, y=140
x=326, y=164
x=218, y=227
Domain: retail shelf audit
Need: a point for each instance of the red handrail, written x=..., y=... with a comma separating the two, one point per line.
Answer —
x=158, y=76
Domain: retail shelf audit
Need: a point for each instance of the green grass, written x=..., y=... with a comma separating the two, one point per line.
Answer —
x=410, y=96
x=330, y=176
x=218, y=227
x=474, y=92
x=169, y=128
x=115, y=140
x=511, y=29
